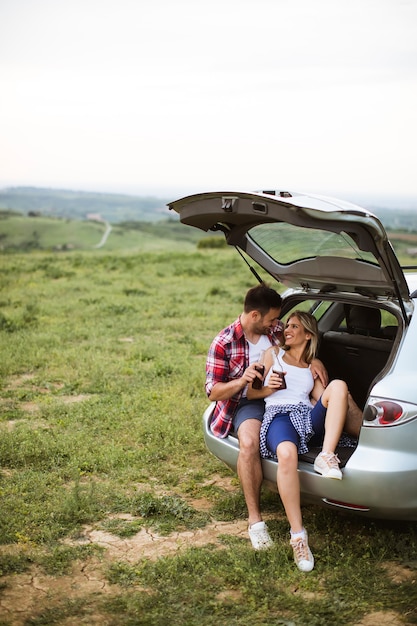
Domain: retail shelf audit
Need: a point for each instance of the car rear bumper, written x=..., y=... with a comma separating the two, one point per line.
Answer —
x=373, y=485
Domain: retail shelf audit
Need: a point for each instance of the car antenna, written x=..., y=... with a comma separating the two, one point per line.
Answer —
x=252, y=269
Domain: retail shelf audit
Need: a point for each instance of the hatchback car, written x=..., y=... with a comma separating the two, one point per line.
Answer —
x=336, y=261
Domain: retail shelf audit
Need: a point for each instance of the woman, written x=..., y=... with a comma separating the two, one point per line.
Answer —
x=298, y=409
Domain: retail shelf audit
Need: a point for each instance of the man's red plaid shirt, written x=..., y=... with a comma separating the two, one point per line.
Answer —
x=227, y=359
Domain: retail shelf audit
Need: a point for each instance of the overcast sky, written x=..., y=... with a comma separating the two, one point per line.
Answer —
x=178, y=96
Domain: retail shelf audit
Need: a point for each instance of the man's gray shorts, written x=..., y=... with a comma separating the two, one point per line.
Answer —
x=248, y=409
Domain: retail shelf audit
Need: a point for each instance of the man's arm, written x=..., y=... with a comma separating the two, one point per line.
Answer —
x=219, y=384
x=224, y=391
x=319, y=371
x=317, y=390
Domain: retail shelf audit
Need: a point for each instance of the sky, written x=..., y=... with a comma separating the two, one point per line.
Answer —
x=180, y=96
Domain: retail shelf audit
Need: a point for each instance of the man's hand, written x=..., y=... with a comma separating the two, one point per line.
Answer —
x=225, y=391
x=319, y=371
x=251, y=373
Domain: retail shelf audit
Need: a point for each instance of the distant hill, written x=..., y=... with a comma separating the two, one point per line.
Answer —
x=23, y=233
x=396, y=219
x=81, y=204
x=117, y=208
x=122, y=208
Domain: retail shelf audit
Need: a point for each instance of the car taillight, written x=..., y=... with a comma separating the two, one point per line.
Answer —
x=380, y=412
x=388, y=412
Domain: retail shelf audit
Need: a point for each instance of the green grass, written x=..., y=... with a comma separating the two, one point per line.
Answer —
x=102, y=373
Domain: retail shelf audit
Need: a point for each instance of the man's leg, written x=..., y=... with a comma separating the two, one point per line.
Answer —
x=249, y=467
x=247, y=423
x=335, y=400
x=354, y=418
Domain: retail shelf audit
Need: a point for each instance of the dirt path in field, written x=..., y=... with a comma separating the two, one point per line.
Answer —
x=105, y=236
x=25, y=596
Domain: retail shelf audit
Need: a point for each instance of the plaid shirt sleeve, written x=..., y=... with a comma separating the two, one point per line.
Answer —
x=217, y=365
x=277, y=334
x=226, y=361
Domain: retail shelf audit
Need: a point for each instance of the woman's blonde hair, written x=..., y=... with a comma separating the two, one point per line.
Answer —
x=309, y=323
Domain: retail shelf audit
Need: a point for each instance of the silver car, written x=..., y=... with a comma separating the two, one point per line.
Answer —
x=336, y=262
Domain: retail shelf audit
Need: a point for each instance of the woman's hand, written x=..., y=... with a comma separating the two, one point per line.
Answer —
x=276, y=381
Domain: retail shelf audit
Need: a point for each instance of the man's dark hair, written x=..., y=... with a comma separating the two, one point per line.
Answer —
x=262, y=298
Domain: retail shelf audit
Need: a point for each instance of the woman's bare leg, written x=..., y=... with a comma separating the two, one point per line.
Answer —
x=289, y=490
x=289, y=484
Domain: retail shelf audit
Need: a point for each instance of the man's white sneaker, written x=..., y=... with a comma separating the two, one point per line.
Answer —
x=259, y=536
x=328, y=465
x=302, y=554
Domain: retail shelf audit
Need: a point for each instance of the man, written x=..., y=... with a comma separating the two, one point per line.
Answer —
x=232, y=358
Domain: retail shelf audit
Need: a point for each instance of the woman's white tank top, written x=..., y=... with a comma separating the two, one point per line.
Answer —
x=299, y=381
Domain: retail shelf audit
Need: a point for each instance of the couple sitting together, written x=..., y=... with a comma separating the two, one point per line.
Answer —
x=279, y=413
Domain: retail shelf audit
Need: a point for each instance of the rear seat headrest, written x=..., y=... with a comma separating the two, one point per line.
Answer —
x=362, y=320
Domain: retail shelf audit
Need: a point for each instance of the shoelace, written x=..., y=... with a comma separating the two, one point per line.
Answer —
x=300, y=548
x=332, y=460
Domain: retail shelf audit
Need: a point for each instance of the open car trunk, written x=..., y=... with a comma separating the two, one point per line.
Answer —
x=304, y=241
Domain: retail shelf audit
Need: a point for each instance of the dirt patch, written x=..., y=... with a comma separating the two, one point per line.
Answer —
x=14, y=382
x=25, y=595
x=26, y=381
x=146, y=544
x=10, y=425
x=400, y=573
x=72, y=399
x=31, y=407
x=230, y=595
x=381, y=618
x=227, y=483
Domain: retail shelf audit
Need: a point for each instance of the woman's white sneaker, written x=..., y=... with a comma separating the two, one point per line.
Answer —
x=302, y=554
x=328, y=465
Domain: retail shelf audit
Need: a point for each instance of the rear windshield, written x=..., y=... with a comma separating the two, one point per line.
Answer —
x=286, y=243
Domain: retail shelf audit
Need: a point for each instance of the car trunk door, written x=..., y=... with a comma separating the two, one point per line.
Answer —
x=303, y=241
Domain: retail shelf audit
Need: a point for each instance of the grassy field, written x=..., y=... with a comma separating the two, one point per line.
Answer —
x=19, y=233
x=112, y=512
